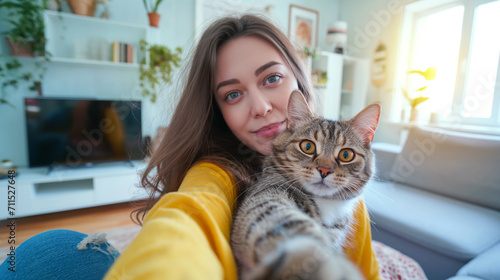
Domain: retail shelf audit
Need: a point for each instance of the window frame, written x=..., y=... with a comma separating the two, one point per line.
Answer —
x=419, y=9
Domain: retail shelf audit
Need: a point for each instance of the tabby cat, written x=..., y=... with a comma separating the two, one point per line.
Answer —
x=293, y=222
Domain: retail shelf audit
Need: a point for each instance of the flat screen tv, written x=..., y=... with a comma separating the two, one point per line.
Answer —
x=63, y=131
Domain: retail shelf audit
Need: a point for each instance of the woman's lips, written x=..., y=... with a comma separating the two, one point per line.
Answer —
x=269, y=130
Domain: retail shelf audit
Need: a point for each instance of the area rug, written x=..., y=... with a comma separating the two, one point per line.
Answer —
x=120, y=238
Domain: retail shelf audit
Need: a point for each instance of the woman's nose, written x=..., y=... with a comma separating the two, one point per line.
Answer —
x=261, y=105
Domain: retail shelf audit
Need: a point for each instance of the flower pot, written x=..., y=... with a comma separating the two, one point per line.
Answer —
x=414, y=114
x=83, y=7
x=154, y=19
x=20, y=50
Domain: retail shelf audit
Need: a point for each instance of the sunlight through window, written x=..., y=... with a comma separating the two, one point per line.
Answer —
x=484, y=62
x=437, y=44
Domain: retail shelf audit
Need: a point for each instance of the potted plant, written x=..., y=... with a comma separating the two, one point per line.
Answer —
x=162, y=62
x=83, y=7
x=415, y=99
x=26, y=37
x=154, y=17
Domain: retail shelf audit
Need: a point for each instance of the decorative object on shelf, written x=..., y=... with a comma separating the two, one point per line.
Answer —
x=311, y=52
x=429, y=74
x=337, y=36
x=122, y=52
x=5, y=166
x=83, y=7
x=303, y=27
x=319, y=78
x=379, y=65
x=105, y=14
x=162, y=62
x=54, y=5
x=26, y=37
x=154, y=17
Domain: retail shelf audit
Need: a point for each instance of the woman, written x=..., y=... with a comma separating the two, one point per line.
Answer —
x=233, y=104
x=243, y=71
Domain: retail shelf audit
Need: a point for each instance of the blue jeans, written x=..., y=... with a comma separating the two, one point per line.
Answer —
x=60, y=254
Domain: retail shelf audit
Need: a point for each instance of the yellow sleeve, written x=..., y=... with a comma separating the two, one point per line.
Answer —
x=360, y=249
x=186, y=234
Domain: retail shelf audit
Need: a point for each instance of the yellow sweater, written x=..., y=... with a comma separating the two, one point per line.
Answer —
x=186, y=234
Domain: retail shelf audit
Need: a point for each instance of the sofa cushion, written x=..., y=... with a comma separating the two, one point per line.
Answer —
x=385, y=156
x=484, y=266
x=451, y=227
x=460, y=165
x=464, y=277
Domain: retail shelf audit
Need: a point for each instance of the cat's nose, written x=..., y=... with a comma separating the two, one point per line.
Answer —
x=324, y=171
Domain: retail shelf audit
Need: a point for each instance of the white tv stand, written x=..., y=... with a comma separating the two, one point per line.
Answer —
x=39, y=192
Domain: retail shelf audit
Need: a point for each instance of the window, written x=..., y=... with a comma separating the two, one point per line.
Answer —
x=460, y=39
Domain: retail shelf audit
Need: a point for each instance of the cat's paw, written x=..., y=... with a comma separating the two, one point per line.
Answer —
x=304, y=258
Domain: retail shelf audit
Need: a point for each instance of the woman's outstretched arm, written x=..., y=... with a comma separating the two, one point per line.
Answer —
x=186, y=234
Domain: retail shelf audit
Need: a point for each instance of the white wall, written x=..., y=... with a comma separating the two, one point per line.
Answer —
x=370, y=23
x=176, y=29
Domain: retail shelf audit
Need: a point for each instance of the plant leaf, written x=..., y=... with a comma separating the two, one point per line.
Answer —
x=419, y=100
x=422, y=88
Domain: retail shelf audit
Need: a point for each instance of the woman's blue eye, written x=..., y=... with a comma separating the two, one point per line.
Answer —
x=233, y=95
x=272, y=79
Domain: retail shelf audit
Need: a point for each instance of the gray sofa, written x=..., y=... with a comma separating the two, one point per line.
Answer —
x=437, y=200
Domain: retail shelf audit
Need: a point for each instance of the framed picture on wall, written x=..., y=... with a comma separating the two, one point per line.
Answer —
x=303, y=27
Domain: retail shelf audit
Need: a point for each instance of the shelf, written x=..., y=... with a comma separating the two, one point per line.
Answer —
x=64, y=60
x=320, y=86
x=82, y=40
x=68, y=173
x=79, y=18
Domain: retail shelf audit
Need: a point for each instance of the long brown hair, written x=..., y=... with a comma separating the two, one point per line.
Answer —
x=197, y=131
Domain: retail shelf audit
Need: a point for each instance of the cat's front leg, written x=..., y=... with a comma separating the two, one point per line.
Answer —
x=304, y=257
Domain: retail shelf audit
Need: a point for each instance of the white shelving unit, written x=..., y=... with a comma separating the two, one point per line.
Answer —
x=65, y=30
x=355, y=77
x=39, y=192
x=72, y=188
x=344, y=93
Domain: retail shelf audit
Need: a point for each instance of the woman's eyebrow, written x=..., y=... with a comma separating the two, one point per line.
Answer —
x=264, y=67
x=228, y=82
x=257, y=72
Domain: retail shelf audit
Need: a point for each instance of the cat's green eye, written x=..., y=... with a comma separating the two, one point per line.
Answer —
x=346, y=155
x=308, y=147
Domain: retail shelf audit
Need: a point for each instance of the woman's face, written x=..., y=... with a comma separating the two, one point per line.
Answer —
x=253, y=86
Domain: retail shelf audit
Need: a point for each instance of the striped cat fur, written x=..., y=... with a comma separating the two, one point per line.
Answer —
x=295, y=220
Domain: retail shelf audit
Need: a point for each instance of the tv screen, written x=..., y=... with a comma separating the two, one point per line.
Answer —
x=81, y=131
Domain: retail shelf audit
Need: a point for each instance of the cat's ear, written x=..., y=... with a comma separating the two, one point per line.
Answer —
x=298, y=111
x=366, y=122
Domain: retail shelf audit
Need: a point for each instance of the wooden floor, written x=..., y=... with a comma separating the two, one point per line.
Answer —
x=83, y=220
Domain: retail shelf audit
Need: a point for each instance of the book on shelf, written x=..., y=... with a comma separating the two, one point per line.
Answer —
x=122, y=52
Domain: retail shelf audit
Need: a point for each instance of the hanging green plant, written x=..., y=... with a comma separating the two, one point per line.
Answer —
x=25, y=37
x=11, y=75
x=162, y=62
x=28, y=27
